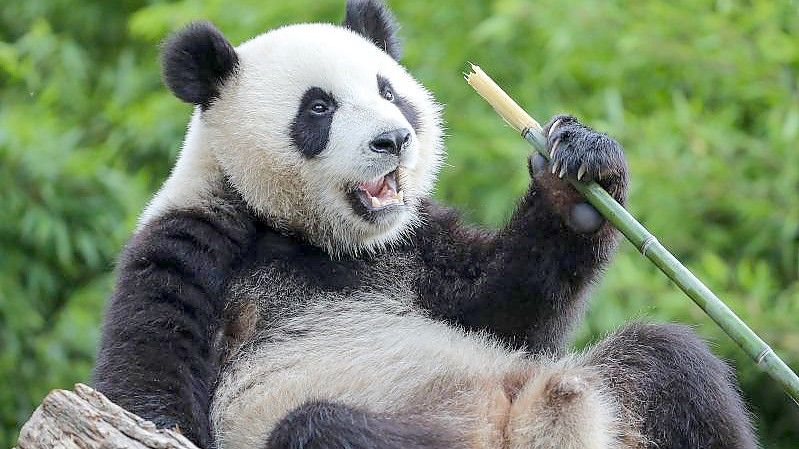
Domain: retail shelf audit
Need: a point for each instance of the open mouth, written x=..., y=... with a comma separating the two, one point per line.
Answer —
x=380, y=193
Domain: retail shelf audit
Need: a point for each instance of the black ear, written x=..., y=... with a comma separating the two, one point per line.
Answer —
x=196, y=61
x=374, y=20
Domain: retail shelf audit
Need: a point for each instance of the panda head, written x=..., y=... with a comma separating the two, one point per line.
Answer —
x=317, y=126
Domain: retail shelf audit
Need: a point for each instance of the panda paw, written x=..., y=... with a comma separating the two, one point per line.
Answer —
x=578, y=151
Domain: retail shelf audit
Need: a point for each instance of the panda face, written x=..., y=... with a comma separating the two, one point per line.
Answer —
x=325, y=135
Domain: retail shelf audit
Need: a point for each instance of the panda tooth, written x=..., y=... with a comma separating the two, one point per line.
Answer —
x=376, y=202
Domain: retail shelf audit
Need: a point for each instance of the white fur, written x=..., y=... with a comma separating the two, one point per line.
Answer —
x=245, y=135
x=378, y=354
x=564, y=405
x=191, y=179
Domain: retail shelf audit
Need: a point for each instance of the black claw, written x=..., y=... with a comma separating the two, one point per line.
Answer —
x=564, y=119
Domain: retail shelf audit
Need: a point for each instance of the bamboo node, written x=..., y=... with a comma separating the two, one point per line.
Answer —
x=763, y=354
x=647, y=243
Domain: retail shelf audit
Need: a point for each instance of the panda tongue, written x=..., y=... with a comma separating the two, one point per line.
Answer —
x=382, y=190
x=375, y=186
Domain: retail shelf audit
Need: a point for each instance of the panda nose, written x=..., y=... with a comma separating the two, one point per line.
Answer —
x=391, y=141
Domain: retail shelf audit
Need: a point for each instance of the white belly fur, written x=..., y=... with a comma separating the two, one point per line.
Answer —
x=379, y=355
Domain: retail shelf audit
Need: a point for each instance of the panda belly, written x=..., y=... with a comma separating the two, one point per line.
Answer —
x=376, y=354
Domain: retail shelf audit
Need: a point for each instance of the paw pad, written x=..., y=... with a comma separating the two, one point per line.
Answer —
x=585, y=219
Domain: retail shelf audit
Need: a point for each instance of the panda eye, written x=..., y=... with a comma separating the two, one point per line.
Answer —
x=319, y=108
x=388, y=95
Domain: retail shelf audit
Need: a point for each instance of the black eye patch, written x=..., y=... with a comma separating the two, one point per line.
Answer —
x=310, y=130
x=403, y=104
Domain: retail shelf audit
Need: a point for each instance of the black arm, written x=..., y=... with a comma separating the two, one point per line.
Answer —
x=155, y=353
x=527, y=281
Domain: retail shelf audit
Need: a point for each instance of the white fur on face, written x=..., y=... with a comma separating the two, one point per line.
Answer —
x=246, y=132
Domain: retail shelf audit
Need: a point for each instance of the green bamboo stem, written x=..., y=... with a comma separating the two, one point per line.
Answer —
x=645, y=242
x=650, y=247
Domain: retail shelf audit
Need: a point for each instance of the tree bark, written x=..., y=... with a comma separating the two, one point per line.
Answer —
x=85, y=419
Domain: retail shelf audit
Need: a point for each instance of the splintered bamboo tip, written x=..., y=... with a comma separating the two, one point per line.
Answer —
x=511, y=112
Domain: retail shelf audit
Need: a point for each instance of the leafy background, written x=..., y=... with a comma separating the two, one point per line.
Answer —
x=702, y=94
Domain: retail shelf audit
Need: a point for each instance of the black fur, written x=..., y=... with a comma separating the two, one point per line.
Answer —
x=154, y=357
x=312, y=264
x=527, y=282
x=583, y=217
x=579, y=145
x=685, y=395
x=196, y=61
x=310, y=129
x=373, y=20
x=326, y=425
x=403, y=104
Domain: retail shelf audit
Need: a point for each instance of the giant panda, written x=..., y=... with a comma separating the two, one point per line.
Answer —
x=292, y=285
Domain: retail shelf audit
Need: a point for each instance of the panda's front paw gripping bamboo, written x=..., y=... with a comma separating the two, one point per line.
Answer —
x=645, y=242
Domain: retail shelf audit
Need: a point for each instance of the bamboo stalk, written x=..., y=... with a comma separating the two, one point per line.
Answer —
x=645, y=242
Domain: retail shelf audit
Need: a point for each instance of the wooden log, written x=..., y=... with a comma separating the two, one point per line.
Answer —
x=85, y=419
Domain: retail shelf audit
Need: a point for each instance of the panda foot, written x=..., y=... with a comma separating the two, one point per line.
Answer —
x=561, y=408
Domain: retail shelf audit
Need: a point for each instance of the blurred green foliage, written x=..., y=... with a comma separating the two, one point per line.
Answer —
x=702, y=94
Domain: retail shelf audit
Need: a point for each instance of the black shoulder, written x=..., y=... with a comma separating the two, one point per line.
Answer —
x=154, y=357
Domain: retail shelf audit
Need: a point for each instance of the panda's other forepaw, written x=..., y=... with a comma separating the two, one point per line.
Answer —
x=580, y=152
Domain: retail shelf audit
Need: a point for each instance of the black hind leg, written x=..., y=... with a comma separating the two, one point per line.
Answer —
x=684, y=395
x=327, y=425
